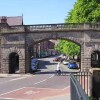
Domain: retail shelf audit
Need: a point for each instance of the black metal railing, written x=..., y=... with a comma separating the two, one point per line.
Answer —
x=80, y=87
x=84, y=79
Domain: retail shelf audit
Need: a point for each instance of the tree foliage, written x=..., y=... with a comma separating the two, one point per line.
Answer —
x=84, y=11
x=68, y=48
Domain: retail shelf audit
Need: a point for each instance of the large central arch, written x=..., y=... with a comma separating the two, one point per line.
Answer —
x=44, y=37
x=76, y=41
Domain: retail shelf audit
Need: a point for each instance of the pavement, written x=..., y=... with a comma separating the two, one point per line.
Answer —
x=13, y=75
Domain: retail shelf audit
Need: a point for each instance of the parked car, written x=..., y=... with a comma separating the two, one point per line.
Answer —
x=57, y=59
x=72, y=65
x=34, y=64
x=65, y=62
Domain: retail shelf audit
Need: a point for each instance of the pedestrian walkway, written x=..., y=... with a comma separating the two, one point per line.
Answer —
x=13, y=75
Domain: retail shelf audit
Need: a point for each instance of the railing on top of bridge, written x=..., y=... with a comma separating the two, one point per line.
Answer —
x=67, y=26
x=50, y=27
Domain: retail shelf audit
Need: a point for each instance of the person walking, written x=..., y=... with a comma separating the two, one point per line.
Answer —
x=58, y=69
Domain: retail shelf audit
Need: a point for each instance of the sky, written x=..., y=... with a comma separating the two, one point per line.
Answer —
x=37, y=11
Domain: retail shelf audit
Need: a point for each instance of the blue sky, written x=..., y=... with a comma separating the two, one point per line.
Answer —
x=37, y=11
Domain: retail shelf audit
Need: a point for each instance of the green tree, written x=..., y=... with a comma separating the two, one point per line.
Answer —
x=84, y=11
x=69, y=48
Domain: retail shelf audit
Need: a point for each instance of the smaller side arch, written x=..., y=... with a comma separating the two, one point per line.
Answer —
x=11, y=54
x=95, y=59
x=13, y=62
x=16, y=50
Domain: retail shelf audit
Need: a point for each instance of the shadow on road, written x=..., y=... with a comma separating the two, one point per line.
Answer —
x=54, y=72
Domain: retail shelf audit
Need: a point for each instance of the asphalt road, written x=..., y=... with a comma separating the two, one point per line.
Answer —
x=48, y=65
x=43, y=85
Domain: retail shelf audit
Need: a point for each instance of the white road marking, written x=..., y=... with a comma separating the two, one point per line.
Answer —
x=14, y=79
x=12, y=91
x=68, y=94
x=50, y=88
x=30, y=92
x=43, y=80
x=13, y=98
x=66, y=87
x=40, y=82
x=18, y=78
x=51, y=76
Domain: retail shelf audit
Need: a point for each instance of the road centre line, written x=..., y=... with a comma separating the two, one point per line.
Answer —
x=66, y=87
x=51, y=76
x=43, y=80
x=40, y=82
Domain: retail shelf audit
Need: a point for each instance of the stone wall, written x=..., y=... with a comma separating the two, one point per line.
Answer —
x=12, y=41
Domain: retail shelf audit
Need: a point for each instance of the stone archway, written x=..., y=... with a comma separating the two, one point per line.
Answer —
x=73, y=40
x=13, y=62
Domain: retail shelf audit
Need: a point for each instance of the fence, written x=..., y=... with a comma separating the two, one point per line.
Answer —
x=80, y=87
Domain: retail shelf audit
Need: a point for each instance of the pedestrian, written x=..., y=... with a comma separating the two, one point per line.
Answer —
x=58, y=69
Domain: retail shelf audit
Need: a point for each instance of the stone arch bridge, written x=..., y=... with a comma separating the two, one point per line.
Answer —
x=19, y=39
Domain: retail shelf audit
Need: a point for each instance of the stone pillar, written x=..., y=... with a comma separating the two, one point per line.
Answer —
x=22, y=65
x=5, y=66
x=4, y=61
x=27, y=59
x=28, y=42
x=85, y=57
x=85, y=60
